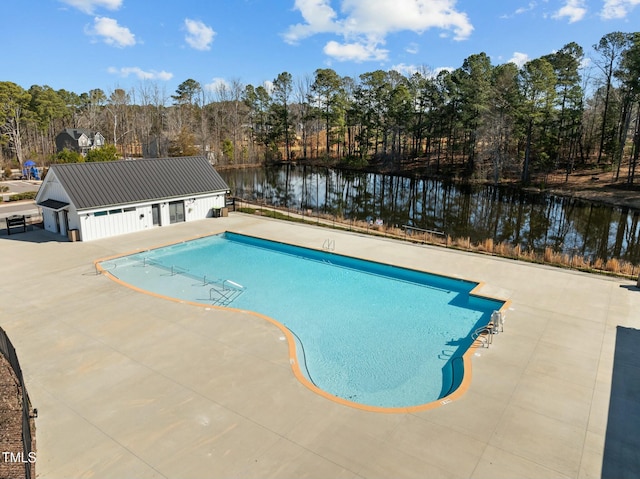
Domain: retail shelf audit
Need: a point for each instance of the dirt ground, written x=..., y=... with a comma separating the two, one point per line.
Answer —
x=591, y=182
x=10, y=422
x=592, y=186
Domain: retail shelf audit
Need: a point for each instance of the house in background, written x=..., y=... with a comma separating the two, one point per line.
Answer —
x=88, y=201
x=80, y=140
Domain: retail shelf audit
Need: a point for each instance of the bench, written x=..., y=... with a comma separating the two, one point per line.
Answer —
x=16, y=221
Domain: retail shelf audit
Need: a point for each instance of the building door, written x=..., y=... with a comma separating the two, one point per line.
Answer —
x=176, y=212
x=155, y=213
x=64, y=222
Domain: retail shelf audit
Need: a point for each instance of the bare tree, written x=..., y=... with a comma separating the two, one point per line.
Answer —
x=610, y=49
x=149, y=108
x=305, y=113
x=14, y=102
x=118, y=108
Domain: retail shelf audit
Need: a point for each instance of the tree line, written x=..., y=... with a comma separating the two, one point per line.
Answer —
x=479, y=120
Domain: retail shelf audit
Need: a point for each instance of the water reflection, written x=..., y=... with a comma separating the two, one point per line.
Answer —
x=530, y=220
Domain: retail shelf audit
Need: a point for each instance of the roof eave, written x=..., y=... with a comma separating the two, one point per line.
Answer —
x=150, y=201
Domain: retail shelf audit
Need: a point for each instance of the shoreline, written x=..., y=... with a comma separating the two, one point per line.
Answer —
x=582, y=185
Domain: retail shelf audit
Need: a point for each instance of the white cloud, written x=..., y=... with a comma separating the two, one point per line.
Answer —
x=217, y=84
x=319, y=18
x=380, y=17
x=199, y=35
x=365, y=24
x=111, y=32
x=585, y=63
x=617, y=8
x=357, y=52
x=89, y=6
x=412, y=48
x=268, y=85
x=528, y=8
x=406, y=70
x=521, y=10
x=140, y=73
x=519, y=59
x=439, y=70
x=426, y=72
x=573, y=9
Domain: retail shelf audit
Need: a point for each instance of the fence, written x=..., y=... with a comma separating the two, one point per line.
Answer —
x=417, y=235
x=9, y=352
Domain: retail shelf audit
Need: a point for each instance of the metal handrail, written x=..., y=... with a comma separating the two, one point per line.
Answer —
x=236, y=286
x=178, y=270
x=226, y=295
x=220, y=293
x=486, y=330
x=433, y=232
x=103, y=268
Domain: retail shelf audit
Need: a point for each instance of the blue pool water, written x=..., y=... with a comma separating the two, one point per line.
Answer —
x=367, y=332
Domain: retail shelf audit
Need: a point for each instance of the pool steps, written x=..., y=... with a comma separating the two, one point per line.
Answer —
x=225, y=295
x=222, y=292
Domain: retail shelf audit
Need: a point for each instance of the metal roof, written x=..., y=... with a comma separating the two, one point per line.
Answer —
x=53, y=204
x=76, y=133
x=111, y=183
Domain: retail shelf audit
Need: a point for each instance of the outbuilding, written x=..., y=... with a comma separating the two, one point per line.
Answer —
x=88, y=201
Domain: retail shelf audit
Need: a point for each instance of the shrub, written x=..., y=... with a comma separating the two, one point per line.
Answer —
x=464, y=243
x=27, y=195
x=486, y=245
x=107, y=153
x=613, y=265
x=68, y=156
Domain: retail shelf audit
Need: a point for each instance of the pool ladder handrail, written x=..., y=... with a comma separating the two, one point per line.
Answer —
x=173, y=269
x=104, y=268
x=484, y=334
x=235, y=285
x=226, y=298
x=226, y=295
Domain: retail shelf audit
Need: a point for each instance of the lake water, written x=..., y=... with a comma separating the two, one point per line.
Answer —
x=534, y=221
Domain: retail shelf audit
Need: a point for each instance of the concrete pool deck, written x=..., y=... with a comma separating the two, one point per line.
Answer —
x=131, y=385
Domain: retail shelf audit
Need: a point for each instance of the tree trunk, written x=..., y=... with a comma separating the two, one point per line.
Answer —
x=527, y=155
x=636, y=148
x=604, y=114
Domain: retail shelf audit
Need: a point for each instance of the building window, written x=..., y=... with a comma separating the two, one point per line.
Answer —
x=176, y=212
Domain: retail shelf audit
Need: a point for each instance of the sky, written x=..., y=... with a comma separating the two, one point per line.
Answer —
x=80, y=45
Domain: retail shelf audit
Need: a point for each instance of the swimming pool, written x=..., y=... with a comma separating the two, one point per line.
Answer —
x=369, y=333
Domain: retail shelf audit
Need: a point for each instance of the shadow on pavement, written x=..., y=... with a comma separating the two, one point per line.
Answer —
x=622, y=442
x=34, y=234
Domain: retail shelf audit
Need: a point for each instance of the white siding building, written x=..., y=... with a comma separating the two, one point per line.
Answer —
x=88, y=201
